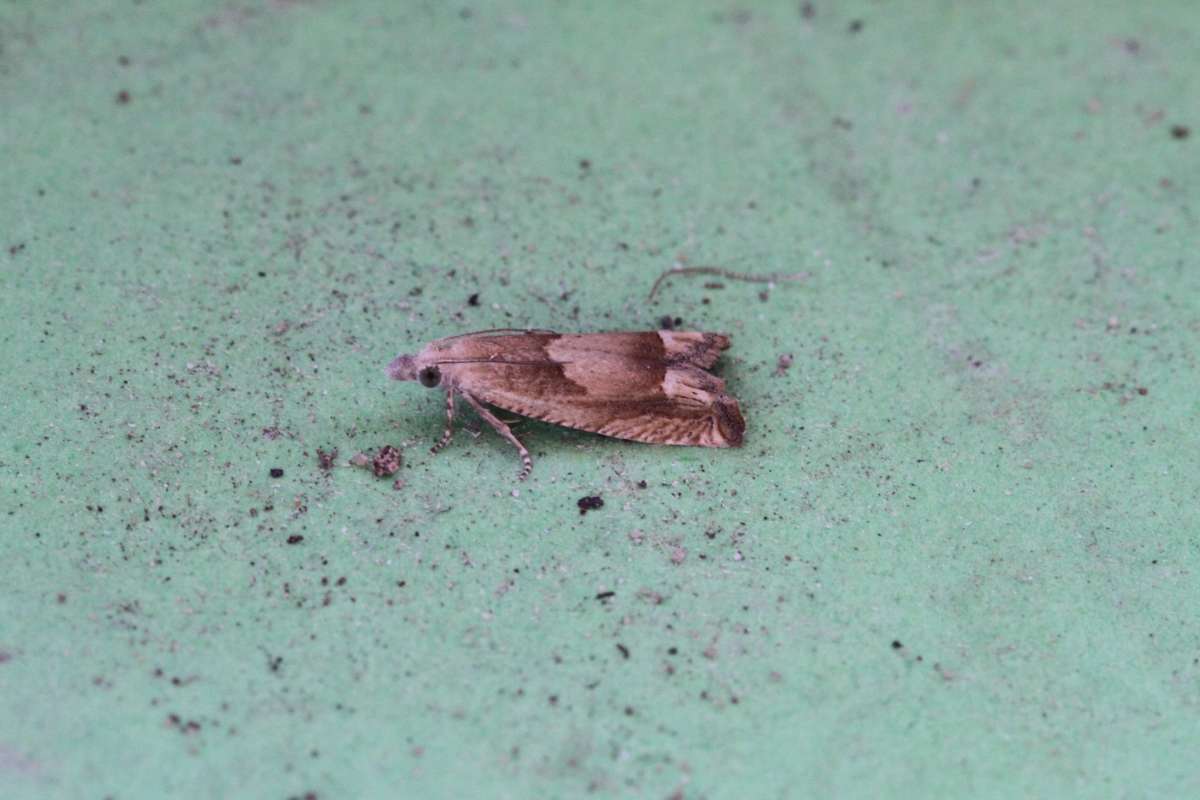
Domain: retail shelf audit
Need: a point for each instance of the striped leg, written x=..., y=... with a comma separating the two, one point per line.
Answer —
x=506, y=432
x=445, y=440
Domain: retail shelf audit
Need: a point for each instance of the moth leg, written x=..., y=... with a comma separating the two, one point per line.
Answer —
x=506, y=432
x=445, y=440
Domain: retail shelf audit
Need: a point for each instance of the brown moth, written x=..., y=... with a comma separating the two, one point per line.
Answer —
x=649, y=387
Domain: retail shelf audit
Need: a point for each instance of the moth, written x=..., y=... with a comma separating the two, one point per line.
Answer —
x=644, y=386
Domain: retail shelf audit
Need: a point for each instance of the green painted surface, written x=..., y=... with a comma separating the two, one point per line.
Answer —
x=956, y=557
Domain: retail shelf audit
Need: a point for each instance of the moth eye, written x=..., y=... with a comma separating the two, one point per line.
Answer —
x=430, y=376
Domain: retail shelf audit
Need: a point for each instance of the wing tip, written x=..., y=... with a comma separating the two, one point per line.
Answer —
x=730, y=424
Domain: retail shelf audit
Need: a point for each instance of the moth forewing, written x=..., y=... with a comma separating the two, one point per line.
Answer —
x=644, y=386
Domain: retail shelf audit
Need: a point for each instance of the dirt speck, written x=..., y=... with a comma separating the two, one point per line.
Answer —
x=386, y=462
x=590, y=503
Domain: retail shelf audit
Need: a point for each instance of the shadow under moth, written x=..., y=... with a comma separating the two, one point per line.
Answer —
x=645, y=386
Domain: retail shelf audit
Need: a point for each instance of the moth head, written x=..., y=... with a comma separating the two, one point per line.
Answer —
x=415, y=368
x=403, y=368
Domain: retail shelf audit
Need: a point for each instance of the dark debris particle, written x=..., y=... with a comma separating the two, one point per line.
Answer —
x=386, y=462
x=603, y=596
x=189, y=727
x=623, y=650
x=1180, y=132
x=1143, y=391
x=326, y=458
x=123, y=97
x=856, y=26
x=276, y=472
x=642, y=484
x=295, y=538
x=473, y=300
x=590, y=503
x=669, y=323
x=897, y=644
x=808, y=10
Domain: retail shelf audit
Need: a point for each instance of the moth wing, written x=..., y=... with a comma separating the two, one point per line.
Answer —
x=695, y=413
x=694, y=347
x=661, y=347
x=671, y=347
x=637, y=386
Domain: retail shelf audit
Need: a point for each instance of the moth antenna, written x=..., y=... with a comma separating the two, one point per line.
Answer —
x=494, y=331
x=499, y=361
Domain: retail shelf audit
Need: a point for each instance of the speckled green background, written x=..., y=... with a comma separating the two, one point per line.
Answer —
x=956, y=557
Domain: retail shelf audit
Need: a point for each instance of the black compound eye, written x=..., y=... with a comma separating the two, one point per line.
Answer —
x=430, y=376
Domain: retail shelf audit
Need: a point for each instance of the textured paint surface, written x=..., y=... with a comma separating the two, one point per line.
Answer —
x=956, y=557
